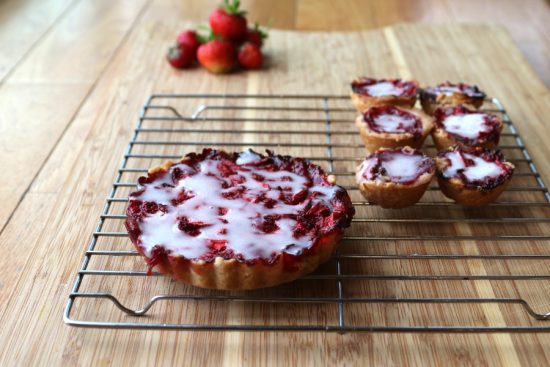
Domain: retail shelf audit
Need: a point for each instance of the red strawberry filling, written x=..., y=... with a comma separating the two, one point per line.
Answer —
x=403, y=166
x=247, y=207
x=393, y=120
x=468, y=126
x=476, y=167
x=384, y=87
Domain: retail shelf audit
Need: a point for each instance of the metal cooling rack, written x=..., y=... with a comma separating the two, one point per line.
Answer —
x=326, y=125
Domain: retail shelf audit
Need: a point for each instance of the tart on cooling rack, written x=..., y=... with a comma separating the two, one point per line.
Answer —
x=393, y=127
x=368, y=92
x=237, y=220
x=395, y=178
x=450, y=94
x=473, y=176
x=458, y=125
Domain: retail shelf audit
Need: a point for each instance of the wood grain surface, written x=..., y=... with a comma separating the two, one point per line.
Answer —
x=90, y=115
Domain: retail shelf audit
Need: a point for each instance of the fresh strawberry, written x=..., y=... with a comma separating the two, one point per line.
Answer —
x=181, y=56
x=250, y=56
x=217, y=56
x=256, y=35
x=190, y=38
x=228, y=21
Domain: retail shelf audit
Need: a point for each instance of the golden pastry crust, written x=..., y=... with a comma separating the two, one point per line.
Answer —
x=363, y=102
x=392, y=195
x=429, y=106
x=374, y=140
x=236, y=275
x=454, y=188
x=232, y=274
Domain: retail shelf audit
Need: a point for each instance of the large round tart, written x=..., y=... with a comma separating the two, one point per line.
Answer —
x=237, y=220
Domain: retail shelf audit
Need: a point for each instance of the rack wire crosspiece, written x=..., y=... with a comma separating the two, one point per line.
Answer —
x=436, y=266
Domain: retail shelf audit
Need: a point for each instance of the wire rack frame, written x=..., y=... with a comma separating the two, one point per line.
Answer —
x=340, y=300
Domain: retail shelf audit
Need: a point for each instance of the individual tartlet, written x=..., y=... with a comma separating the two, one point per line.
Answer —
x=450, y=94
x=473, y=176
x=237, y=220
x=395, y=178
x=393, y=127
x=368, y=92
x=458, y=125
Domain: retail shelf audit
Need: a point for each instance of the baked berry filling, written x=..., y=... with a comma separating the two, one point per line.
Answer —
x=475, y=167
x=403, y=166
x=393, y=120
x=468, y=126
x=245, y=206
x=384, y=87
x=449, y=89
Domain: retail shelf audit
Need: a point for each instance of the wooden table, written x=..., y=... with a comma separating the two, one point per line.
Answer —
x=65, y=122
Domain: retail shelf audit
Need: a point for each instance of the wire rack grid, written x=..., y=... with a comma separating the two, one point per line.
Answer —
x=436, y=266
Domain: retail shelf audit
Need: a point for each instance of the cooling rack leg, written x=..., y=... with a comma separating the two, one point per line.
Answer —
x=339, y=287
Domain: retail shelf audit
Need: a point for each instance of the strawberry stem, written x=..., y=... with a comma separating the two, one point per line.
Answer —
x=232, y=7
x=263, y=31
x=205, y=33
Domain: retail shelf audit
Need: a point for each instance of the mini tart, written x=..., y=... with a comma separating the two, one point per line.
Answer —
x=449, y=94
x=393, y=127
x=368, y=92
x=395, y=178
x=237, y=220
x=473, y=176
x=459, y=125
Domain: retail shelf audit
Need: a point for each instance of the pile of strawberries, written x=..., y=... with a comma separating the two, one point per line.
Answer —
x=229, y=44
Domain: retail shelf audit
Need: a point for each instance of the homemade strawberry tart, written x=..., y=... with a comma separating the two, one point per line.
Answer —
x=368, y=92
x=473, y=176
x=393, y=127
x=459, y=125
x=450, y=94
x=395, y=178
x=237, y=220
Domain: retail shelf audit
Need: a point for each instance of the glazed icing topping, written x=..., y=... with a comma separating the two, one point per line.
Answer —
x=469, y=126
x=384, y=87
x=248, y=156
x=402, y=166
x=476, y=167
x=393, y=120
x=241, y=207
x=395, y=123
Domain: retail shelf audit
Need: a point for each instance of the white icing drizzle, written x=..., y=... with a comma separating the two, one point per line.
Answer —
x=468, y=125
x=248, y=156
x=384, y=89
x=393, y=123
x=242, y=236
x=480, y=170
x=399, y=167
